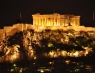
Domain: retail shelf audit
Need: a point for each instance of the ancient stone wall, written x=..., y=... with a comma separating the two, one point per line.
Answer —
x=7, y=30
x=2, y=34
x=10, y=30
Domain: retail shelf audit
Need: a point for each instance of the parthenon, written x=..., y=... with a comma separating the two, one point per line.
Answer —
x=55, y=20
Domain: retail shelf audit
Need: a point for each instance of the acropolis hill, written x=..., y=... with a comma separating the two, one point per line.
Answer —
x=52, y=35
x=46, y=21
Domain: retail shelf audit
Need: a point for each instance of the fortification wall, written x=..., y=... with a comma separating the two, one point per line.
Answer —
x=7, y=30
x=2, y=34
x=19, y=26
x=78, y=28
x=10, y=30
x=23, y=27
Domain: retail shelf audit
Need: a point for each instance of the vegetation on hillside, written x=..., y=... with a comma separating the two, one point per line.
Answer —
x=28, y=44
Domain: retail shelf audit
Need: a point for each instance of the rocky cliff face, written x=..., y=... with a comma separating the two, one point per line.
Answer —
x=26, y=44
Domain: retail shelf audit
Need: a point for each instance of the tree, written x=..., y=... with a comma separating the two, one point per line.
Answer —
x=16, y=39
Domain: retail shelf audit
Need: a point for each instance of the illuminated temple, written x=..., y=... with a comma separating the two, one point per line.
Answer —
x=55, y=20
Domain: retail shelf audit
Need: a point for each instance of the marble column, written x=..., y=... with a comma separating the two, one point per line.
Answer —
x=42, y=22
x=73, y=22
x=64, y=22
x=45, y=21
x=36, y=21
x=39, y=21
x=54, y=21
x=50, y=21
x=77, y=21
x=33, y=21
x=57, y=21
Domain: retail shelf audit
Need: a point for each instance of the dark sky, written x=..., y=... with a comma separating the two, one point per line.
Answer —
x=10, y=10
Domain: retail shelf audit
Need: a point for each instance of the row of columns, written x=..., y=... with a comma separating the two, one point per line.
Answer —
x=46, y=21
x=56, y=21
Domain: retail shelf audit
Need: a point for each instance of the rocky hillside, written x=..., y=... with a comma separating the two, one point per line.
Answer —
x=30, y=43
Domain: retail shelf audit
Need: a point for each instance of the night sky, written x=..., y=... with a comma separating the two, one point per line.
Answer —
x=10, y=10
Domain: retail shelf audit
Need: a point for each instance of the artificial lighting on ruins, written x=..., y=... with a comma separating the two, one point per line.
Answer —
x=53, y=27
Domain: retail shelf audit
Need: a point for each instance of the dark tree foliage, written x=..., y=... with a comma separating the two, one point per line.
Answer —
x=16, y=39
x=43, y=47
